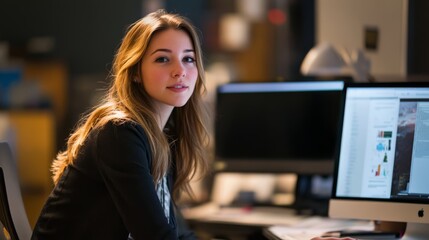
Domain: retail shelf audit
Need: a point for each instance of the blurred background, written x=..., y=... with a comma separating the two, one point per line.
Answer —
x=55, y=57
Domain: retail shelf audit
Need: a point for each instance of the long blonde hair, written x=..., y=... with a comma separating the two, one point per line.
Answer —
x=127, y=100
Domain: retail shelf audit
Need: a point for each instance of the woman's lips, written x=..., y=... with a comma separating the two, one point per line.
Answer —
x=178, y=88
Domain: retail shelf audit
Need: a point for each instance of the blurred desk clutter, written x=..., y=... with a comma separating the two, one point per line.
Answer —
x=34, y=85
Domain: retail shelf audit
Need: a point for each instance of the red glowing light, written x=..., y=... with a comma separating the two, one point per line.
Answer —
x=276, y=16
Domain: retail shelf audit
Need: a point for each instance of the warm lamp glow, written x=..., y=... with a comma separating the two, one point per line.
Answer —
x=234, y=32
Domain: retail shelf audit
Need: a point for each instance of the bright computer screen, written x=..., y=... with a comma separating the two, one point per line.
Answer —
x=277, y=127
x=382, y=167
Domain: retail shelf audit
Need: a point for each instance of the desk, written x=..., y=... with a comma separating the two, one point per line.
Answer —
x=226, y=231
x=210, y=221
x=315, y=227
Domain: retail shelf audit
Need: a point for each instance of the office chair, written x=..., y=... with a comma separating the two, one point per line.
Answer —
x=12, y=212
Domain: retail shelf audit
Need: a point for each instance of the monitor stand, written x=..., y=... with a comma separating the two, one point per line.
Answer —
x=416, y=231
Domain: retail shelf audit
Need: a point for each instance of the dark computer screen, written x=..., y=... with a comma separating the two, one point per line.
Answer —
x=277, y=126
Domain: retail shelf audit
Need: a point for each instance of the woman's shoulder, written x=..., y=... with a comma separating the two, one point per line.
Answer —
x=123, y=136
x=120, y=130
x=122, y=126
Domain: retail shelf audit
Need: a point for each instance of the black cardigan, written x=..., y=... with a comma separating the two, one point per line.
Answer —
x=108, y=192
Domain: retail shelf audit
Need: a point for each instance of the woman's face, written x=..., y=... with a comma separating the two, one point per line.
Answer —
x=169, y=71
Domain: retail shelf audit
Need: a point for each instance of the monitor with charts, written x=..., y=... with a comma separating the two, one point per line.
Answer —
x=382, y=164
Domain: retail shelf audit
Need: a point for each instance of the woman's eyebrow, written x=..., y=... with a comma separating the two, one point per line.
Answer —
x=161, y=50
x=169, y=51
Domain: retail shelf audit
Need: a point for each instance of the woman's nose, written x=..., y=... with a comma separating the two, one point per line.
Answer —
x=179, y=71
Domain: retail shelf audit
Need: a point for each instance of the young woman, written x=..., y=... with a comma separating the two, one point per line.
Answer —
x=132, y=156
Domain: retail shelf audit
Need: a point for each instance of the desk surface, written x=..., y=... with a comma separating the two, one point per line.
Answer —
x=315, y=227
x=277, y=223
x=257, y=216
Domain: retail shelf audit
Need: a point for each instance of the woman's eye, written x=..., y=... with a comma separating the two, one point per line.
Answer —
x=161, y=59
x=189, y=59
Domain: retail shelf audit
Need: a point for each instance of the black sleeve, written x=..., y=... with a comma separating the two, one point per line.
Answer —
x=123, y=158
x=183, y=231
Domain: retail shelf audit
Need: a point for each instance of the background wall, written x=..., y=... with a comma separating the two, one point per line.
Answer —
x=401, y=49
x=344, y=22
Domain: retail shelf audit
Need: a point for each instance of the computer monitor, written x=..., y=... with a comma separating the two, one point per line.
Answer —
x=382, y=166
x=277, y=127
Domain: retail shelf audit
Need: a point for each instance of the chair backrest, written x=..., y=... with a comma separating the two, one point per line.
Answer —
x=12, y=212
